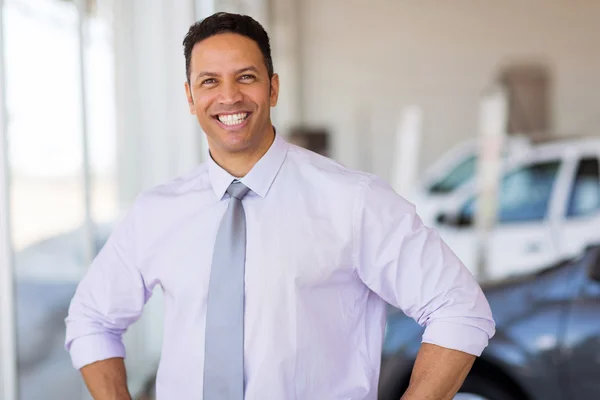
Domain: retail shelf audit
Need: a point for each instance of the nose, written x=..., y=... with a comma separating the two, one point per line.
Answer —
x=230, y=93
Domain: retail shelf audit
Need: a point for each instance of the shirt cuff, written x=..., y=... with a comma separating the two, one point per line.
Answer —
x=88, y=349
x=456, y=336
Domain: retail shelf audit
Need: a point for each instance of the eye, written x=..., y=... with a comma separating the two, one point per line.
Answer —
x=247, y=77
x=208, y=81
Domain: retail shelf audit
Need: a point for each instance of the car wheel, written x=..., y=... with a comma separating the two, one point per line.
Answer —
x=480, y=388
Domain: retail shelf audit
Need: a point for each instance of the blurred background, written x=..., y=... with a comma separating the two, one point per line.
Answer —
x=486, y=115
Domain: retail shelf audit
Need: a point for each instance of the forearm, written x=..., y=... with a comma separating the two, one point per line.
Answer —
x=107, y=379
x=438, y=373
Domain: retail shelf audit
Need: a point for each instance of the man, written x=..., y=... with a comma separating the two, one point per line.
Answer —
x=276, y=263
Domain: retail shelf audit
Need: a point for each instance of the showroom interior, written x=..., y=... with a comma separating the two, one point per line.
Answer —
x=438, y=98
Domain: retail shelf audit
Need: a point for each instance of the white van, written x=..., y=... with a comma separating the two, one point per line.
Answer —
x=548, y=210
x=455, y=171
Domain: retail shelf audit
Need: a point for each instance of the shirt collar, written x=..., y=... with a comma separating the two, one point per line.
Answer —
x=261, y=176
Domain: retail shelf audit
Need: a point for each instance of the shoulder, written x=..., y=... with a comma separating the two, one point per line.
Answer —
x=319, y=169
x=369, y=188
x=192, y=181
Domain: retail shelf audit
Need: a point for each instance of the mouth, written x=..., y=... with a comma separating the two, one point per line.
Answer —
x=232, y=121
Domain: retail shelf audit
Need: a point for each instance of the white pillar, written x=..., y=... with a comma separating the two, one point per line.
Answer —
x=407, y=149
x=8, y=344
x=493, y=117
x=87, y=187
x=157, y=137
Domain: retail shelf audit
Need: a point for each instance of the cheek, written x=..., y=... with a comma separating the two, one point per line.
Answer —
x=258, y=95
x=202, y=105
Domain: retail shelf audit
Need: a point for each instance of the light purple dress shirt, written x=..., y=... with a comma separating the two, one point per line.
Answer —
x=327, y=247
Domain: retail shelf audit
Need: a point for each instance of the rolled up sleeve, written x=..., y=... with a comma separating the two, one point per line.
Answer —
x=109, y=298
x=410, y=267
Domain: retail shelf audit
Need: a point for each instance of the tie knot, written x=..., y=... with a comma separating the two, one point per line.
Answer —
x=238, y=190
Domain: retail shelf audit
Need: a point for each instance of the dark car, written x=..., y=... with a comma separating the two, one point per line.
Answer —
x=44, y=367
x=547, y=341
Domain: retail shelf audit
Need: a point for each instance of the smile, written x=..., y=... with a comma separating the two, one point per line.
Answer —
x=233, y=119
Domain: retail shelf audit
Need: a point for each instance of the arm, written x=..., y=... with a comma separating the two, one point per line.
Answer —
x=410, y=267
x=108, y=300
x=107, y=379
x=438, y=373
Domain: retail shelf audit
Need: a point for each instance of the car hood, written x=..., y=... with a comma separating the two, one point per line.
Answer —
x=518, y=294
x=509, y=299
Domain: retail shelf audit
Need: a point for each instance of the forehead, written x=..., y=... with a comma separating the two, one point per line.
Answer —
x=226, y=51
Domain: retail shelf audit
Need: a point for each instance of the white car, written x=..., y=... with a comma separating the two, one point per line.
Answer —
x=548, y=210
x=455, y=171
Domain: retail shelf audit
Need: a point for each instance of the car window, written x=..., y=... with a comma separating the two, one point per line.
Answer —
x=584, y=198
x=458, y=175
x=524, y=194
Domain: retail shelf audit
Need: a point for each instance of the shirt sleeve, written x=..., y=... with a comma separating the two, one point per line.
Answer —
x=410, y=267
x=108, y=299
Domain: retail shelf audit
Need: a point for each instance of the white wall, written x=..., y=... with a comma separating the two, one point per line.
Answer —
x=366, y=59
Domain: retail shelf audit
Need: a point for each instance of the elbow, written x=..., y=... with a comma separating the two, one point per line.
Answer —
x=90, y=348
x=469, y=335
x=83, y=323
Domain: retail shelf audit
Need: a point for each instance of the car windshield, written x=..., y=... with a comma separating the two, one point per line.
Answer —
x=457, y=176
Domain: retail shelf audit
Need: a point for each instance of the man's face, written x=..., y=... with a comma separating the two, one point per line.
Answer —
x=230, y=92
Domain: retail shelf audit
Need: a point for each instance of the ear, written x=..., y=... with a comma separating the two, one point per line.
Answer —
x=190, y=98
x=274, y=89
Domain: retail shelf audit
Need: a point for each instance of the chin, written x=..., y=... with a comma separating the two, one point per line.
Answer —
x=233, y=142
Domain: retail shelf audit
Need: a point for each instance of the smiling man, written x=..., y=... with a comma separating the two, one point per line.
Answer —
x=276, y=263
x=231, y=88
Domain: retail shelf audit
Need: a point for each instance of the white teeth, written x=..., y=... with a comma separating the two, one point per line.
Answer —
x=233, y=119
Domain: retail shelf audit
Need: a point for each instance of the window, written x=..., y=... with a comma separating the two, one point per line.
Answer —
x=460, y=174
x=584, y=198
x=524, y=194
x=46, y=160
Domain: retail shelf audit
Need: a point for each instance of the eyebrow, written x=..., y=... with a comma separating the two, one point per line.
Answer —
x=209, y=74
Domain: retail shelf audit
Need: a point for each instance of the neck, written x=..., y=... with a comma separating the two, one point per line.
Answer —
x=240, y=163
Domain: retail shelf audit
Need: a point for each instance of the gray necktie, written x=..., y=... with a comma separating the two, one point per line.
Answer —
x=224, y=346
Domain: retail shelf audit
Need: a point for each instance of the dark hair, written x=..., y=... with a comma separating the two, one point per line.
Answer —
x=223, y=22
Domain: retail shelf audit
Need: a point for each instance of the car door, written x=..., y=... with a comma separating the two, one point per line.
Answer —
x=580, y=215
x=524, y=238
x=581, y=342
